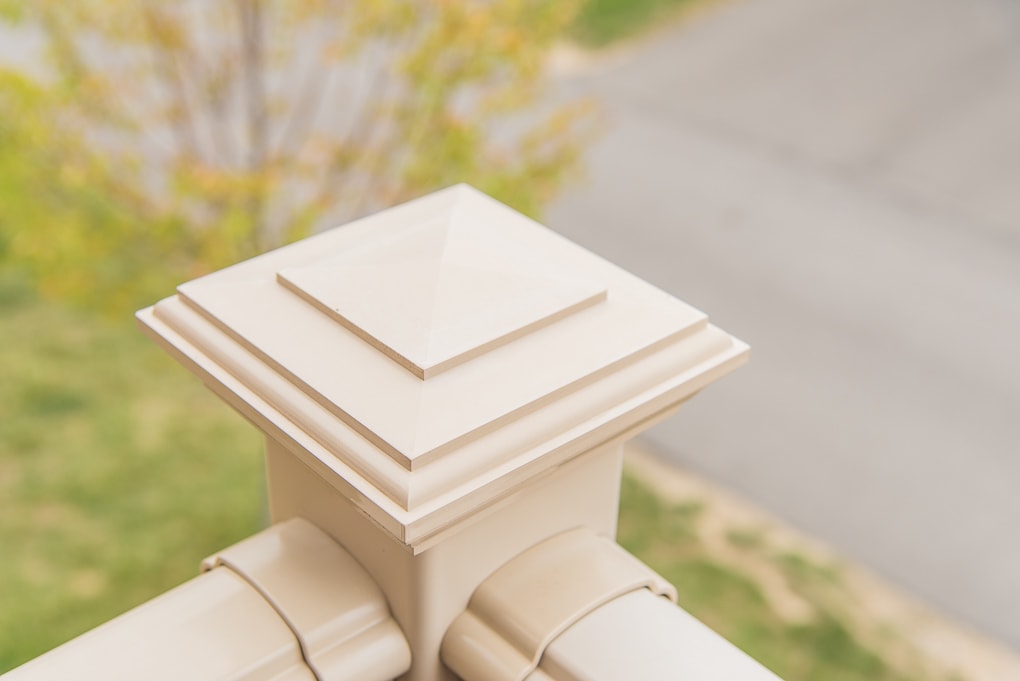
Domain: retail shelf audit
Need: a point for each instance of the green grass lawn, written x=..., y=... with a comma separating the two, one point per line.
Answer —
x=119, y=472
x=601, y=22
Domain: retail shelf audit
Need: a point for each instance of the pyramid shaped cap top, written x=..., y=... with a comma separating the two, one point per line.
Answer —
x=428, y=358
x=434, y=293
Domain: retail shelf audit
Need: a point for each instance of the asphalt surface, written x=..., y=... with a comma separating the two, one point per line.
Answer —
x=837, y=182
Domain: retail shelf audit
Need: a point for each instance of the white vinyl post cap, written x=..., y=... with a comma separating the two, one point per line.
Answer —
x=431, y=359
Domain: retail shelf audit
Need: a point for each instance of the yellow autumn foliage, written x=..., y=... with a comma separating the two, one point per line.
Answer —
x=178, y=137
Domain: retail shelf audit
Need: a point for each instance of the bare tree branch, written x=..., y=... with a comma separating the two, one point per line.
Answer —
x=253, y=77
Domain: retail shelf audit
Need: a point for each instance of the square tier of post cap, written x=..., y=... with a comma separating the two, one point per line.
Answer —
x=431, y=359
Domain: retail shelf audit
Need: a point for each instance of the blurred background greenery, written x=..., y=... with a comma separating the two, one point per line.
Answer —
x=158, y=142
x=198, y=134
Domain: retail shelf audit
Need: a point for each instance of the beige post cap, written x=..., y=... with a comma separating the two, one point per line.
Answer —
x=431, y=359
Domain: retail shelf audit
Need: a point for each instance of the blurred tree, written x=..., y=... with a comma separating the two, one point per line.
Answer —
x=187, y=135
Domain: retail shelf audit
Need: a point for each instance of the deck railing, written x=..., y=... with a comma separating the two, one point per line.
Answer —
x=444, y=389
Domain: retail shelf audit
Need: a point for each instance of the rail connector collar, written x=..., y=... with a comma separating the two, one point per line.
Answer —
x=521, y=608
x=338, y=614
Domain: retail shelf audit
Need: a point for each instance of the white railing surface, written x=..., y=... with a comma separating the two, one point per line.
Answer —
x=444, y=388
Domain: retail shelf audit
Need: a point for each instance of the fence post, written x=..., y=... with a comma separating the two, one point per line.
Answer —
x=441, y=386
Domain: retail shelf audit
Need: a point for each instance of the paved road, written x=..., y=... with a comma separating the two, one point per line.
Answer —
x=838, y=182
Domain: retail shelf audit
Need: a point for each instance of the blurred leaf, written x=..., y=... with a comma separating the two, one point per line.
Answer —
x=11, y=10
